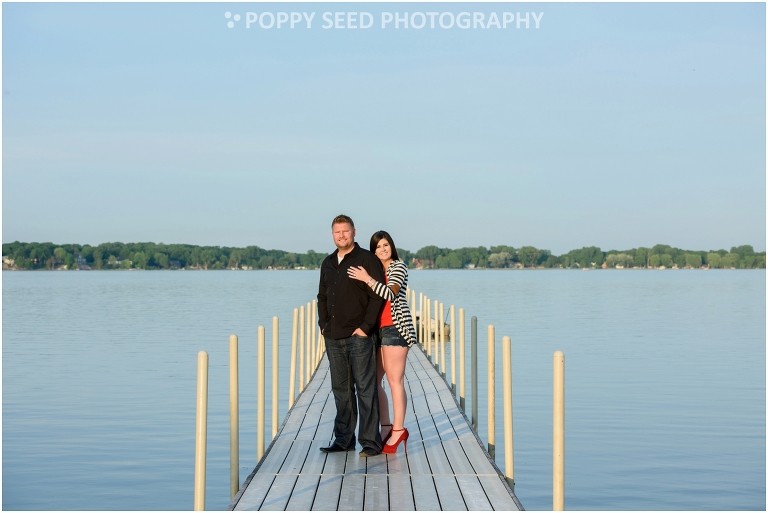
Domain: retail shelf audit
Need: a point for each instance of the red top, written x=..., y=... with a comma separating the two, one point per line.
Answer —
x=385, y=318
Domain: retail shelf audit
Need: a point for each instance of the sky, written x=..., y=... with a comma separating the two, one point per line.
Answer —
x=614, y=125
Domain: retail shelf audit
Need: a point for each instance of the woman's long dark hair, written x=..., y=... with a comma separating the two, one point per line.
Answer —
x=376, y=238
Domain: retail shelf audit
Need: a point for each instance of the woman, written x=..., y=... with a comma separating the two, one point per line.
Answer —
x=396, y=335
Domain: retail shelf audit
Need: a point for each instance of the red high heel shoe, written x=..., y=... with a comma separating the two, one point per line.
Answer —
x=384, y=440
x=392, y=448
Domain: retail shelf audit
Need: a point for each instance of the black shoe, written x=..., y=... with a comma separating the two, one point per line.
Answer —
x=335, y=448
x=367, y=452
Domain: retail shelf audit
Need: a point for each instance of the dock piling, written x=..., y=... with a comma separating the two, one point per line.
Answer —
x=314, y=335
x=301, y=349
x=234, y=419
x=474, y=373
x=492, y=392
x=294, y=336
x=275, y=375
x=453, y=349
x=261, y=396
x=309, y=342
x=558, y=432
x=442, y=339
x=509, y=448
x=436, y=352
x=428, y=328
x=462, y=343
x=201, y=430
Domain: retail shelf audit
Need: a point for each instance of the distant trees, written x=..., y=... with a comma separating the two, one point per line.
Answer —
x=148, y=255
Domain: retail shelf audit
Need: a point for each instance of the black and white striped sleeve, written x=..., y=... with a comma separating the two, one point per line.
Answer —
x=396, y=275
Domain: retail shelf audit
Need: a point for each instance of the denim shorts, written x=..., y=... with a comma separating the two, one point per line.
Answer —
x=389, y=336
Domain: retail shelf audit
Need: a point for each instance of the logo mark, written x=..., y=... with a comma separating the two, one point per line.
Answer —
x=228, y=15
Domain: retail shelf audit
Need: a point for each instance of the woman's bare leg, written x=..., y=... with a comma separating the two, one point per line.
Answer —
x=383, y=401
x=393, y=359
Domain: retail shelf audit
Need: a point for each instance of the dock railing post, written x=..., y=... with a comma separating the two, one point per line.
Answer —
x=453, y=349
x=314, y=335
x=294, y=336
x=462, y=343
x=275, y=374
x=309, y=343
x=428, y=328
x=201, y=430
x=509, y=448
x=234, y=419
x=421, y=320
x=474, y=373
x=492, y=392
x=301, y=349
x=261, y=396
x=442, y=339
x=436, y=352
x=558, y=432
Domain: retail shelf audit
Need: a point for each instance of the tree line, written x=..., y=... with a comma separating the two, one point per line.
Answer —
x=149, y=255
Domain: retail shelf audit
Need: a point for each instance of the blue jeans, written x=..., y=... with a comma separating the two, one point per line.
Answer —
x=352, y=363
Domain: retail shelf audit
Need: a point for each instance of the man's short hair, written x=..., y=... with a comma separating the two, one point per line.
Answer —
x=343, y=219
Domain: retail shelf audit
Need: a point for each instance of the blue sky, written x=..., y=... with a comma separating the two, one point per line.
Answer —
x=616, y=125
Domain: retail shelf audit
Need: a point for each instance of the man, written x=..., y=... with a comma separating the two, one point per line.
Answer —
x=348, y=312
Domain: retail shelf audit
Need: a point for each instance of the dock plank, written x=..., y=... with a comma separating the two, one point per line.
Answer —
x=328, y=491
x=449, y=493
x=425, y=493
x=497, y=493
x=400, y=492
x=474, y=493
x=456, y=457
x=316, y=459
x=303, y=493
x=279, y=493
x=398, y=463
x=352, y=492
x=295, y=458
x=276, y=456
x=253, y=496
x=376, y=492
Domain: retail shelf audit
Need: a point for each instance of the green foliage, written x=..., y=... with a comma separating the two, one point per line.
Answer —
x=692, y=260
x=149, y=255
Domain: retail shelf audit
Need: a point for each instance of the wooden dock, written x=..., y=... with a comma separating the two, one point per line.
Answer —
x=444, y=468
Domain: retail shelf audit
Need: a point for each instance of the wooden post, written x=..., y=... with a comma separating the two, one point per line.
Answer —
x=509, y=447
x=558, y=433
x=234, y=419
x=421, y=320
x=473, y=340
x=492, y=392
x=309, y=342
x=442, y=339
x=294, y=336
x=201, y=430
x=261, y=396
x=437, y=339
x=453, y=349
x=462, y=381
x=275, y=373
x=301, y=349
x=314, y=335
x=429, y=329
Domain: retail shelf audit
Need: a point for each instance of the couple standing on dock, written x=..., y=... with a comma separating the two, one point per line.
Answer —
x=364, y=317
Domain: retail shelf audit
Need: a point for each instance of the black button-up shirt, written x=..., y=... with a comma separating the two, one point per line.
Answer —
x=345, y=304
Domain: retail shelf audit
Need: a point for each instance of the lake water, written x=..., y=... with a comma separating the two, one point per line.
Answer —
x=665, y=382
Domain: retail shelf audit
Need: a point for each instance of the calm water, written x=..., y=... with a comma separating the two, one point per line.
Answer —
x=665, y=382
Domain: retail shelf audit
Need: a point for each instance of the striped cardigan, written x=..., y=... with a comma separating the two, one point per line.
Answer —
x=397, y=274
